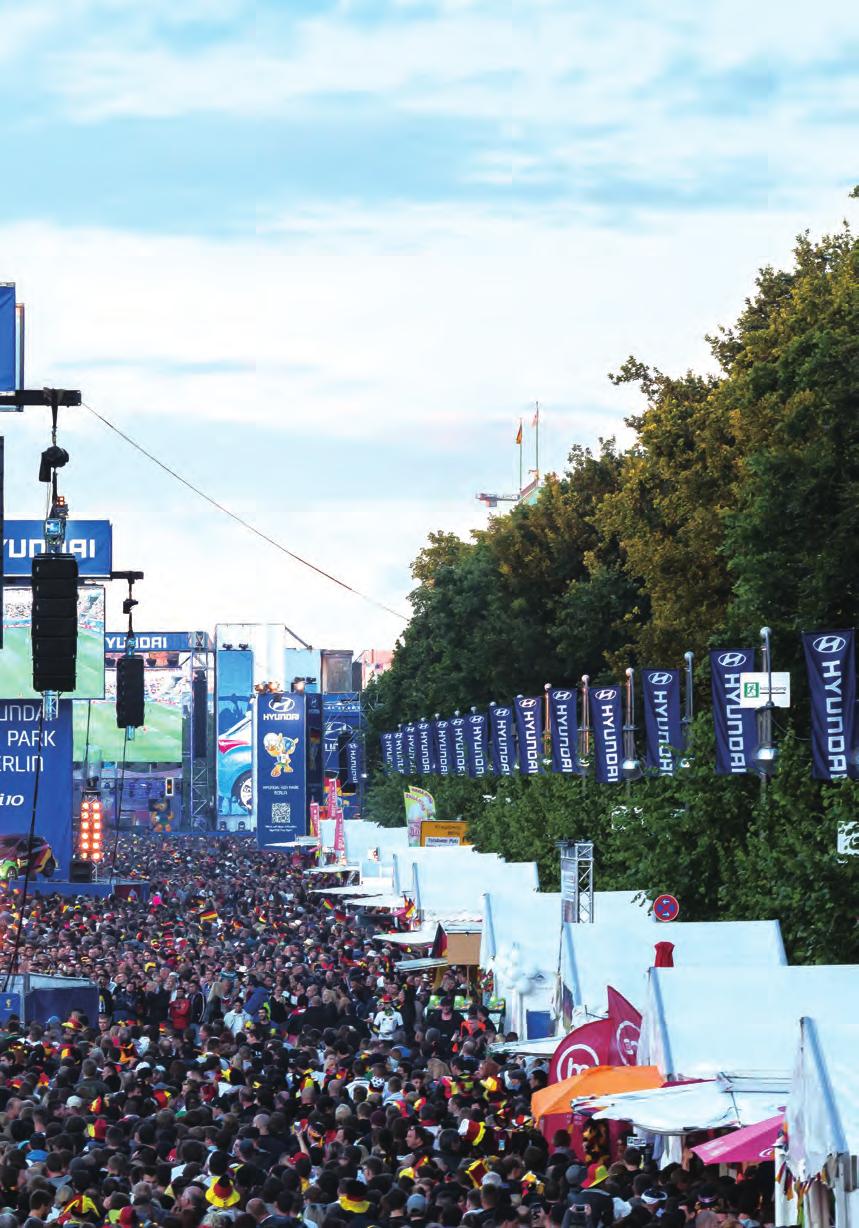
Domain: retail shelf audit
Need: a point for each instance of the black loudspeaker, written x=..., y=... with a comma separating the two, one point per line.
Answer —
x=199, y=716
x=54, y=622
x=129, y=692
x=80, y=871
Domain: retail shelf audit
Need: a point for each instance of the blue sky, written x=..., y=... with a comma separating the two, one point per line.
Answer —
x=322, y=256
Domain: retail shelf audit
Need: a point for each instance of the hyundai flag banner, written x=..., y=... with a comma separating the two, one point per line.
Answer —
x=736, y=727
x=444, y=741
x=354, y=760
x=563, y=725
x=153, y=641
x=460, y=750
x=400, y=760
x=475, y=736
x=529, y=726
x=426, y=748
x=21, y=750
x=663, y=723
x=280, y=768
x=90, y=541
x=8, y=347
x=387, y=743
x=503, y=740
x=411, y=750
x=607, y=723
x=831, y=663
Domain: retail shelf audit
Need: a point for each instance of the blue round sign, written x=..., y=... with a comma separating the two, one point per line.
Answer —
x=666, y=908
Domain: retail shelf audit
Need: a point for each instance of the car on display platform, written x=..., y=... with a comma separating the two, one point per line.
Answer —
x=14, y=856
x=235, y=762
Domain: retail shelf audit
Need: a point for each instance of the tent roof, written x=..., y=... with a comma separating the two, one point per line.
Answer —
x=747, y=1145
x=823, y=1108
x=424, y=937
x=595, y=1081
x=620, y=951
x=694, y=1106
x=693, y=1028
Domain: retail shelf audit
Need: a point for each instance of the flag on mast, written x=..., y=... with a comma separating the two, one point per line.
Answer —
x=535, y=421
x=519, y=433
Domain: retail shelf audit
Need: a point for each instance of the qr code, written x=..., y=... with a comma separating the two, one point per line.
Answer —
x=280, y=812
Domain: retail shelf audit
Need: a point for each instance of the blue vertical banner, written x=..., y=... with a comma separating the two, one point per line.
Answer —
x=8, y=348
x=663, y=721
x=354, y=760
x=607, y=725
x=315, y=737
x=830, y=658
x=411, y=750
x=280, y=768
x=529, y=727
x=736, y=727
x=460, y=749
x=400, y=761
x=444, y=741
x=564, y=729
x=387, y=743
x=426, y=748
x=478, y=747
x=21, y=754
x=503, y=739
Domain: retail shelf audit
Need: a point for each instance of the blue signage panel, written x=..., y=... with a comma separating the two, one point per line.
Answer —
x=90, y=541
x=10, y=1004
x=280, y=768
x=7, y=339
x=20, y=754
x=151, y=641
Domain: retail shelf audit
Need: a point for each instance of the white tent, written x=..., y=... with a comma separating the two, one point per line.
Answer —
x=620, y=950
x=448, y=883
x=701, y=1022
x=520, y=945
x=363, y=838
x=698, y=1106
x=823, y=1113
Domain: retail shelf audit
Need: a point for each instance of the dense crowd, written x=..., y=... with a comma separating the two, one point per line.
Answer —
x=258, y=1060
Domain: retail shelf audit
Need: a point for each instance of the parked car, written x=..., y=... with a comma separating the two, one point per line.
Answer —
x=14, y=857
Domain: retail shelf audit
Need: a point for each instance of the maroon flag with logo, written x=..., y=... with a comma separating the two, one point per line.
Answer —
x=583, y=1047
x=624, y=1029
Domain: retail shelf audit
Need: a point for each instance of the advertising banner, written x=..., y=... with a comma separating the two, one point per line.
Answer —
x=439, y=834
x=234, y=749
x=354, y=753
x=280, y=759
x=16, y=659
x=736, y=727
x=313, y=716
x=607, y=723
x=564, y=729
x=478, y=748
x=411, y=750
x=20, y=753
x=503, y=739
x=420, y=805
x=663, y=723
x=90, y=541
x=154, y=641
x=444, y=741
x=387, y=743
x=427, y=765
x=830, y=658
x=400, y=761
x=460, y=750
x=8, y=348
x=529, y=726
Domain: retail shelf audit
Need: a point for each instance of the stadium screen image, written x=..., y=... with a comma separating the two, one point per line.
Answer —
x=158, y=740
x=16, y=655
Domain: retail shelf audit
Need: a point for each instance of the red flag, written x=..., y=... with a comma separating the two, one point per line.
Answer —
x=625, y=1024
x=314, y=819
x=664, y=955
x=519, y=433
x=583, y=1047
x=339, y=834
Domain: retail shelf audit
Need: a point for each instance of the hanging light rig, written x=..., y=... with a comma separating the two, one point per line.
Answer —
x=54, y=584
x=129, y=667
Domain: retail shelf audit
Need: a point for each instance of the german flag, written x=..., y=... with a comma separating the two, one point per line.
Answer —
x=208, y=915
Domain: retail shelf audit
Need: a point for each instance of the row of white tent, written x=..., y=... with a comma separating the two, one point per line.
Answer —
x=728, y=1011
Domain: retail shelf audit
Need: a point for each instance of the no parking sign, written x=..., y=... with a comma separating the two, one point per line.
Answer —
x=666, y=908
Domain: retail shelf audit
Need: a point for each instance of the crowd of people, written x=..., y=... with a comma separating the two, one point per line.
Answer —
x=258, y=1060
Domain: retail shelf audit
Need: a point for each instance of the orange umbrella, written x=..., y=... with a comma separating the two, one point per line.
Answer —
x=594, y=1081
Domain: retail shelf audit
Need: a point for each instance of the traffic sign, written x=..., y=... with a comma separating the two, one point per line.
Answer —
x=666, y=908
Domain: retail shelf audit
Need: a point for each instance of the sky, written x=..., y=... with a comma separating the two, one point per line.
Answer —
x=321, y=257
